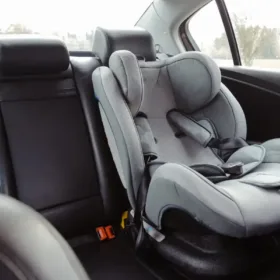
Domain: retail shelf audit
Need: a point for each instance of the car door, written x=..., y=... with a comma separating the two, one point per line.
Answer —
x=245, y=42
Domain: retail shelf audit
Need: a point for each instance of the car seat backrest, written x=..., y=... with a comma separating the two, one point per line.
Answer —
x=189, y=83
x=51, y=141
x=129, y=161
x=117, y=110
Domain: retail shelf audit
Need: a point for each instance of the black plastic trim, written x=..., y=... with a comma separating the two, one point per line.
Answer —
x=185, y=35
x=190, y=44
x=229, y=31
x=82, y=53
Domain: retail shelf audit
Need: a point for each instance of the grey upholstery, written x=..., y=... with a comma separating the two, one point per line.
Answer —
x=120, y=129
x=148, y=142
x=124, y=65
x=250, y=156
x=191, y=127
x=31, y=248
x=195, y=79
x=188, y=87
x=232, y=208
x=272, y=151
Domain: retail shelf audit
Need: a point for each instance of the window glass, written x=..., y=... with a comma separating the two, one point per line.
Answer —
x=208, y=32
x=74, y=22
x=257, y=29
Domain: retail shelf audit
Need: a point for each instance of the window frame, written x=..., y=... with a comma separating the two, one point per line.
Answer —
x=189, y=42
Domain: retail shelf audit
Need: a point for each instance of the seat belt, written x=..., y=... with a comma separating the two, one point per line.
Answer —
x=190, y=127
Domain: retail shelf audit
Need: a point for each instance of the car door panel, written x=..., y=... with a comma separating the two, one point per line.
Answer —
x=258, y=92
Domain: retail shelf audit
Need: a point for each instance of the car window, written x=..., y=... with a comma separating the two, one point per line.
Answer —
x=73, y=22
x=207, y=30
x=257, y=28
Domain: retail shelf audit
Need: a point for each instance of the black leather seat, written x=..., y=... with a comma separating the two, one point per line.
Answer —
x=53, y=154
x=53, y=151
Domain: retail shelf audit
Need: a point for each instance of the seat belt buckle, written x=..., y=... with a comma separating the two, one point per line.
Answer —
x=233, y=168
x=101, y=233
x=110, y=232
x=124, y=219
x=104, y=233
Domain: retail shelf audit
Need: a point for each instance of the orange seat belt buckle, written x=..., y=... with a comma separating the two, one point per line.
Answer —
x=110, y=232
x=101, y=233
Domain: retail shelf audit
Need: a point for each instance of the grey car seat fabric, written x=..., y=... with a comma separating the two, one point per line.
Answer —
x=31, y=248
x=118, y=122
x=189, y=83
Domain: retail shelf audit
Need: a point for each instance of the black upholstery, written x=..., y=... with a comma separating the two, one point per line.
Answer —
x=54, y=154
x=32, y=54
x=54, y=157
x=136, y=40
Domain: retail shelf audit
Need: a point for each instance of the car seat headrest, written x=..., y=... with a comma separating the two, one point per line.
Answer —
x=137, y=40
x=32, y=55
x=124, y=65
x=195, y=79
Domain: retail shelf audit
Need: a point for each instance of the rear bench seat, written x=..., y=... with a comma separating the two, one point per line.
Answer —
x=55, y=158
x=54, y=154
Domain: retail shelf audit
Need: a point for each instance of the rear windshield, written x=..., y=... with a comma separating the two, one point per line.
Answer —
x=73, y=22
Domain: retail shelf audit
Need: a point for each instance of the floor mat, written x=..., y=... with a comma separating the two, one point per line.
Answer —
x=111, y=260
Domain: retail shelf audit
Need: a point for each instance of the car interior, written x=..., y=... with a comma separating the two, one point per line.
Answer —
x=141, y=158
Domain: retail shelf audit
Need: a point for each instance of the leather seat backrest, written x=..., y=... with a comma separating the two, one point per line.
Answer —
x=53, y=155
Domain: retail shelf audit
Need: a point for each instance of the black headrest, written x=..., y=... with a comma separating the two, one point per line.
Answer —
x=32, y=55
x=137, y=40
